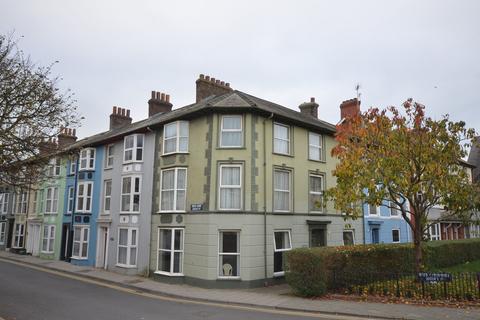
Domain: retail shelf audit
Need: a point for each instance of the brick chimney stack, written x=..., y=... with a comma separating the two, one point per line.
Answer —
x=47, y=146
x=66, y=137
x=120, y=117
x=207, y=87
x=349, y=108
x=309, y=108
x=159, y=103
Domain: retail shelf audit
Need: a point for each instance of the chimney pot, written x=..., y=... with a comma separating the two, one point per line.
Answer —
x=120, y=117
x=114, y=111
x=167, y=97
x=202, y=76
x=128, y=112
x=309, y=108
x=74, y=132
x=162, y=97
x=312, y=99
x=212, y=80
x=207, y=78
x=227, y=84
x=153, y=94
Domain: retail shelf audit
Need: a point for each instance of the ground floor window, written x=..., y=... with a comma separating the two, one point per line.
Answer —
x=282, y=242
x=19, y=238
x=80, y=242
x=48, y=238
x=434, y=231
x=375, y=235
x=3, y=227
x=170, y=251
x=348, y=238
x=127, y=247
x=229, y=254
x=395, y=235
x=474, y=231
x=318, y=237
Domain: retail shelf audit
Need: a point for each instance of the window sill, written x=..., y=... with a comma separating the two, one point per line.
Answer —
x=47, y=252
x=85, y=170
x=83, y=212
x=282, y=211
x=171, y=211
x=314, y=160
x=172, y=153
x=231, y=210
x=129, y=162
x=163, y=273
x=108, y=168
x=231, y=148
x=229, y=278
x=126, y=266
x=79, y=258
x=279, y=274
x=283, y=154
x=129, y=212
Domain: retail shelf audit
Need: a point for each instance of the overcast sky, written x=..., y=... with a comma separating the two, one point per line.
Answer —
x=116, y=52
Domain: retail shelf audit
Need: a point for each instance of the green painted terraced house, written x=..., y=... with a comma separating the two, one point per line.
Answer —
x=238, y=181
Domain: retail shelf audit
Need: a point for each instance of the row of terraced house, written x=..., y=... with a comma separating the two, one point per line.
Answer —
x=211, y=192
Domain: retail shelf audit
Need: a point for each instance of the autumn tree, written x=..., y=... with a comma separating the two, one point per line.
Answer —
x=402, y=159
x=32, y=112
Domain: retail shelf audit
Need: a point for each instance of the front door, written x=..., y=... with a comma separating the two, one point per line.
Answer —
x=102, y=247
x=33, y=241
x=375, y=235
x=10, y=232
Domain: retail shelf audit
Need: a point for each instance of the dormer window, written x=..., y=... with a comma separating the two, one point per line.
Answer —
x=175, y=137
x=133, y=148
x=87, y=159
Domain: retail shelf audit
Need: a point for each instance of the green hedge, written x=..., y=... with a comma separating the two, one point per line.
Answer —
x=311, y=271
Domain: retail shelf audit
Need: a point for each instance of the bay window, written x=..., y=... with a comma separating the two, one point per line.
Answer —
x=131, y=194
x=133, y=148
x=127, y=247
x=175, y=137
x=230, y=187
x=170, y=251
x=231, y=131
x=173, y=187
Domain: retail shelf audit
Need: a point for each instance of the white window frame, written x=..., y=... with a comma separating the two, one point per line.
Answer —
x=3, y=229
x=4, y=199
x=73, y=166
x=42, y=201
x=281, y=273
x=54, y=167
x=129, y=246
x=313, y=193
x=81, y=255
x=399, y=235
x=49, y=240
x=70, y=198
x=89, y=159
x=107, y=196
x=134, y=148
x=288, y=140
x=109, y=157
x=222, y=130
x=377, y=210
x=175, y=189
x=220, y=186
x=86, y=198
x=131, y=193
x=51, y=203
x=319, y=147
x=19, y=234
x=172, y=251
x=289, y=191
x=21, y=202
x=176, y=137
x=438, y=235
x=349, y=231
x=238, y=254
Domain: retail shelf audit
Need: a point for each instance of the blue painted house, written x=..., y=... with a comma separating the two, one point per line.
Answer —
x=86, y=204
x=384, y=225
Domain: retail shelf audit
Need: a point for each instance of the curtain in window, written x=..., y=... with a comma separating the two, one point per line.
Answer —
x=181, y=187
x=168, y=192
x=282, y=190
x=230, y=191
x=281, y=143
x=122, y=246
x=183, y=143
x=232, y=131
x=126, y=191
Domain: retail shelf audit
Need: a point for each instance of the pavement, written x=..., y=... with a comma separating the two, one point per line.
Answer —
x=272, y=298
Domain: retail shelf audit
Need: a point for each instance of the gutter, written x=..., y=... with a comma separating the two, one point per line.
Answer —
x=265, y=199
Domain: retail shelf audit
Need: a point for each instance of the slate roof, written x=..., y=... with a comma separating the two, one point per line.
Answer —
x=233, y=100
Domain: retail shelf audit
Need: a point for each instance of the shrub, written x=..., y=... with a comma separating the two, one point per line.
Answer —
x=306, y=272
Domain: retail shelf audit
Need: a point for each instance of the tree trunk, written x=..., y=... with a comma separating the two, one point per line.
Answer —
x=417, y=243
